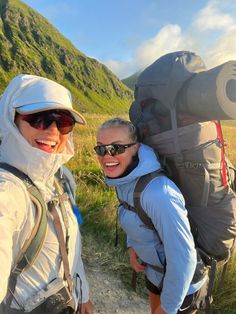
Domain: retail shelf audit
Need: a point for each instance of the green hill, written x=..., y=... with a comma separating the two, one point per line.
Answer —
x=30, y=44
x=131, y=80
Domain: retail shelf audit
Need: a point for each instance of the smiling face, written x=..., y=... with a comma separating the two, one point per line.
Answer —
x=115, y=166
x=49, y=140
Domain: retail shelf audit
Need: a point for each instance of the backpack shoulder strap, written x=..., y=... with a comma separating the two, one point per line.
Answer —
x=33, y=244
x=139, y=187
x=63, y=178
x=137, y=208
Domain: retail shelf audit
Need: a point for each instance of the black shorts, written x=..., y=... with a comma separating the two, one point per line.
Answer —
x=191, y=302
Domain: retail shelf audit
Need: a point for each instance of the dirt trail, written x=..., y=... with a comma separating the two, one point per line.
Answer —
x=109, y=296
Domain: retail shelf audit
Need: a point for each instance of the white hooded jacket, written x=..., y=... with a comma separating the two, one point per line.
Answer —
x=17, y=211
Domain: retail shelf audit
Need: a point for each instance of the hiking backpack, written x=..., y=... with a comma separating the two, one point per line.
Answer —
x=190, y=143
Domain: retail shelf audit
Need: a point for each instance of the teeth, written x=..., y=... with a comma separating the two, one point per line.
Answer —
x=110, y=164
x=51, y=143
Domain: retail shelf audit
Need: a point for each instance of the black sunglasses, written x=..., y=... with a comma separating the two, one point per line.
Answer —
x=112, y=149
x=42, y=120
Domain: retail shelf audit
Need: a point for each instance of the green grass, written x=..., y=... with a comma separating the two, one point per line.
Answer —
x=225, y=297
x=98, y=204
x=229, y=130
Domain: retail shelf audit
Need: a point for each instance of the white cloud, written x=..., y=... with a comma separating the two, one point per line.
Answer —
x=211, y=35
x=120, y=68
x=223, y=50
x=218, y=21
x=212, y=18
x=168, y=39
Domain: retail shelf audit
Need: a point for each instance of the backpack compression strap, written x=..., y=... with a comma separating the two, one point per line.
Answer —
x=32, y=246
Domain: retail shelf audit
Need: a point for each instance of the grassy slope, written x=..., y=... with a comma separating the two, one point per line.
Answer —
x=98, y=204
x=30, y=44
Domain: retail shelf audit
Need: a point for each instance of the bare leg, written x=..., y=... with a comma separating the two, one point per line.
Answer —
x=154, y=300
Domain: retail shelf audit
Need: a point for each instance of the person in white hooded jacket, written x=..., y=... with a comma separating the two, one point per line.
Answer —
x=36, y=122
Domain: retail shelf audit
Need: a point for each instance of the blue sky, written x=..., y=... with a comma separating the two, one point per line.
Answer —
x=128, y=35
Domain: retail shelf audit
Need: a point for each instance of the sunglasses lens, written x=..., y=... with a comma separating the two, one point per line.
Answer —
x=36, y=121
x=112, y=150
x=65, y=123
x=100, y=150
x=42, y=120
x=118, y=149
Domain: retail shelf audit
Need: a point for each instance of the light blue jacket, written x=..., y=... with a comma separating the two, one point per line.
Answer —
x=164, y=204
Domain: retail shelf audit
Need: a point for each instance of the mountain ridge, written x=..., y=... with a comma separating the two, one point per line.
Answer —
x=131, y=80
x=30, y=44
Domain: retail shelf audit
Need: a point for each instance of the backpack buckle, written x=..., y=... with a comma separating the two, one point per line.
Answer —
x=17, y=270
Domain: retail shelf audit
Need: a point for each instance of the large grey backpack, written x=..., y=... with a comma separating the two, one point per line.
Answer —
x=177, y=108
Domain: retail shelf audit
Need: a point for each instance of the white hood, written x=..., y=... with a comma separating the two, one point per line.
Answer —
x=16, y=151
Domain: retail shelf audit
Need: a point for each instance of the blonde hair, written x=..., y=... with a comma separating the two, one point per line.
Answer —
x=120, y=122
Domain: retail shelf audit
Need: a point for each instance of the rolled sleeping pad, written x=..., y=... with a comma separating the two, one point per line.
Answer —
x=210, y=94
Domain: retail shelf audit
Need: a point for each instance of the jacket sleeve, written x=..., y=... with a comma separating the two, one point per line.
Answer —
x=12, y=217
x=164, y=204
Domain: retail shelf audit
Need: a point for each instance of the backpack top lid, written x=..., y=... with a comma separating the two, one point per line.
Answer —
x=163, y=79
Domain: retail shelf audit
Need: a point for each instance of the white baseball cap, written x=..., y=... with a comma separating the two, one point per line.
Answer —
x=35, y=94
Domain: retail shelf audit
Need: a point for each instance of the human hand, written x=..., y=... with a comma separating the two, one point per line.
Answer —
x=86, y=308
x=133, y=259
